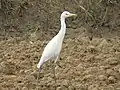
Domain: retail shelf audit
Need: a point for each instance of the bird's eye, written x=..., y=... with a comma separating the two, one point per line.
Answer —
x=66, y=13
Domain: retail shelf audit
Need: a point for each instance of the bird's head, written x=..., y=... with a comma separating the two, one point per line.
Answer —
x=66, y=14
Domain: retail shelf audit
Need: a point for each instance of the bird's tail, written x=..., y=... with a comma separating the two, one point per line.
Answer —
x=39, y=65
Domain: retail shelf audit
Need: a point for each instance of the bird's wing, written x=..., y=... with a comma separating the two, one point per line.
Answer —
x=50, y=50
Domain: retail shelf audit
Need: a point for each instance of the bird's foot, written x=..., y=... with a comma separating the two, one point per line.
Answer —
x=58, y=64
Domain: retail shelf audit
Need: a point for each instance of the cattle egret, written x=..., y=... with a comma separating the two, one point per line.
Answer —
x=53, y=48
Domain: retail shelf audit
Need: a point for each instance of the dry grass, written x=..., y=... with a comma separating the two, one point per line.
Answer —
x=28, y=15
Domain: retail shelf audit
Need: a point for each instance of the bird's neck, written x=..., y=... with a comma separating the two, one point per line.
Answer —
x=63, y=28
x=63, y=25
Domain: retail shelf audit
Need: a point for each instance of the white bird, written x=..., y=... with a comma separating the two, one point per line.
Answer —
x=53, y=48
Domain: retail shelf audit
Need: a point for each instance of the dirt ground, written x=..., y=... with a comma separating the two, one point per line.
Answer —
x=90, y=56
x=86, y=65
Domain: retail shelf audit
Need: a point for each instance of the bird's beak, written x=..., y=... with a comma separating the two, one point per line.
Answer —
x=71, y=14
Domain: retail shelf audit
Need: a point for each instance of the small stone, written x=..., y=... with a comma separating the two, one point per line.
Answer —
x=8, y=77
x=62, y=88
x=30, y=78
x=24, y=88
x=59, y=88
x=88, y=77
x=65, y=82
x=106, y=67
x=102, y=77
x=21, y=71
x=19, y=79
x=79, y=87
x=110, y=72
x=27, y=71
x=111, y=61
x=116, y=68
x=92, y=87
x=109, y=88
x=71, y=88
x=119, y=70
x=103, y=43
x=112, y=79
x=91, y=49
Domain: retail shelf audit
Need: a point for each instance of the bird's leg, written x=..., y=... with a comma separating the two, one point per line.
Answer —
x=54, y=72
x=58, y=64
x=38, y=78
x=39, y=70
x=54, y=75
x=56, y=59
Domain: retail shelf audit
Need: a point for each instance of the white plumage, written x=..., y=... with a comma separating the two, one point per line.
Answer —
x=53, y=48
